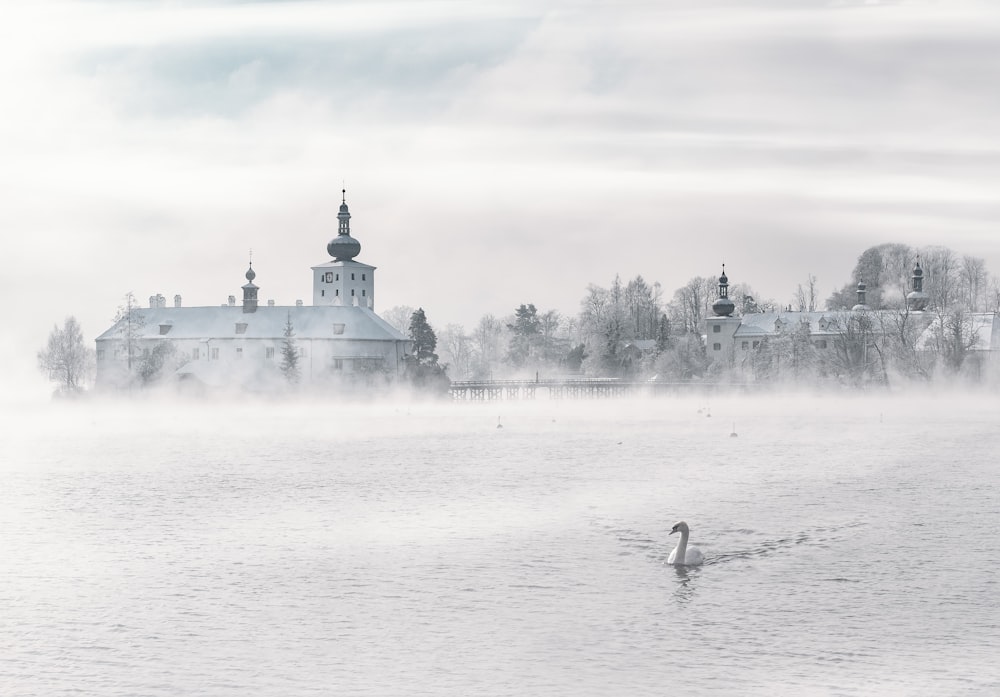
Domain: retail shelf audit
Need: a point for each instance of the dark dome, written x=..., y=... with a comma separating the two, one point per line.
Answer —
x=723, y=278
x=343, y=247
x=251, y=274
x=723, y=307
x=918, y=271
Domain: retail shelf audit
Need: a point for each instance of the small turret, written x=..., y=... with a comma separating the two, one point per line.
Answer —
x=343, y=246
x=723, y=307
x=862, y=292
x=250, y=291
x=916, y=299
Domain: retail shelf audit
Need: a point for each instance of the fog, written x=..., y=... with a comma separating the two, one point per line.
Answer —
x=149, y=146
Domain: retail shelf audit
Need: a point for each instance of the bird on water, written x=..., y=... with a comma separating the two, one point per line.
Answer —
x=682, y=554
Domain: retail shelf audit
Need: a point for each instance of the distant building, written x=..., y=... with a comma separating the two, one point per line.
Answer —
x=241, y=345
x=745, y=342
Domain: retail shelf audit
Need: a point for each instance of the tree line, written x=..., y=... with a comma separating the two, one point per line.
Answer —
x=631, y=329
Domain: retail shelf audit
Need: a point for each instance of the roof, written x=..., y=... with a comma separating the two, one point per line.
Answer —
x=820, y=323
x=986, y=326
x=308, y=322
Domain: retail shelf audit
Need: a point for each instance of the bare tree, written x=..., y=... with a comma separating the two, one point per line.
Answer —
x=487, y=345
x=456, y=350
x=128, y=327
x=399, y=317
x=65, y=358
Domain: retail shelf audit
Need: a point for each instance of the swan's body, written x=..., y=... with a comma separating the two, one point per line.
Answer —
x=684, y=555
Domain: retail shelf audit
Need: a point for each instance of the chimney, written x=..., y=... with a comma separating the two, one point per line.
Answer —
x=177, y=301
x=298, y=303
x=270, y=303
x=232, y=301
x=152, y=302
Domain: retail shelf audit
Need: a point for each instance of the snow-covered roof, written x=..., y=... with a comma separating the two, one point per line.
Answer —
x=985, y=325
x=767, y=323
x=308, y=322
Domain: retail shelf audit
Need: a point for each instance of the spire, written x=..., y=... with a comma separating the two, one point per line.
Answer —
x=861, y=291
x=723, y=307
x=343, y=247
x=249, y=289
x=916, y=299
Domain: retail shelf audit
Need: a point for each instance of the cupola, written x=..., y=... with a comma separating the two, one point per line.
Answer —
x=343, y=247
x=723, y=307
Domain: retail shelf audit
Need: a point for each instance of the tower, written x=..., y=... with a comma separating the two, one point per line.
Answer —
x=861, y=291
x=250, y=291
x=344, y=281
x=916, y=299
x=720, y=330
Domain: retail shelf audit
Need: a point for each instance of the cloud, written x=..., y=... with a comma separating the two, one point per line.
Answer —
x=494, y=152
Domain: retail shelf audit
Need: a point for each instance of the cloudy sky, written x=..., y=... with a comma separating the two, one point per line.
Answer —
x=494, y=153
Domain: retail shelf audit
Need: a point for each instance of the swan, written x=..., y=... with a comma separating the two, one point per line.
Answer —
x=682, y=554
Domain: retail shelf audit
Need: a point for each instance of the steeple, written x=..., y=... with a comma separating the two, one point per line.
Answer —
x=916, y=299
x=861, y=291
x=250, y=290
x=343, y=246
x=723, y=307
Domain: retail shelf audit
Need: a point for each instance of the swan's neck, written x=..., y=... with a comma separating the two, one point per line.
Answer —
x=682, y=546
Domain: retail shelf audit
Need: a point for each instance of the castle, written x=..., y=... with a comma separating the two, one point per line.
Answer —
x=243, y=345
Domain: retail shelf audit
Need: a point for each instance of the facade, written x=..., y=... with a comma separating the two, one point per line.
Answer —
x=746, y=342
x=339, y=337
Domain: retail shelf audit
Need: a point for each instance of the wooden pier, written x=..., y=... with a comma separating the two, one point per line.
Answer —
x=572, y=388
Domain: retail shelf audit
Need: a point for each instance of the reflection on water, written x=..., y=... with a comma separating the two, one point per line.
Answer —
x=420, y=550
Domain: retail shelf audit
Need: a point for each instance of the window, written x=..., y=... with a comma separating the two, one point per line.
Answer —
x=195, y=354
x=269, y=352
x=100, y=354
x=239, y=352
x=164, y=328
x=745, y=345
x=337, y=292
x=338, y=363
x=302, y=351
x=756, y=344
x=716, y=347
x=716, y=328
x=352, y=277
x=322, y=294
x=363, y=292
x=352, y=292
x=363, y=277
x=338, y=276
x=820, y=343
x=338, y=328
x=215, y=354
x=241, y=327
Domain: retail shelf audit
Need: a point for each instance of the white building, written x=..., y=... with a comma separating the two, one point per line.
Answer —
x=740, y=342
x=339, y=336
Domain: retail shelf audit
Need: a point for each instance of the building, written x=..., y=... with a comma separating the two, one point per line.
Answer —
x=337, y=339
x=844, y=341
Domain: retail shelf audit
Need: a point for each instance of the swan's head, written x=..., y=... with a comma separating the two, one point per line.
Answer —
x=680, y=527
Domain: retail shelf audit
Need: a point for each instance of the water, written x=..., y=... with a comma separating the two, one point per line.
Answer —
x=331, y=548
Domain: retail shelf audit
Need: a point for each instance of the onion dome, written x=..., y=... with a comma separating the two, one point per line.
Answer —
x=723, y=307
x=862, y=288
x=917, y=299
x=343, y=247
x=251, y=274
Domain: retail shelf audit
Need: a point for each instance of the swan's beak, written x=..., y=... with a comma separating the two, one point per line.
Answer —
x=673, y=531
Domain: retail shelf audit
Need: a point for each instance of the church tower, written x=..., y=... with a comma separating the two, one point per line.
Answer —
x=344, y=281
x=720, y=330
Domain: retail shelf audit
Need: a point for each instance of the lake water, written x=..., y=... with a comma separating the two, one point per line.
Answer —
x=853, y=548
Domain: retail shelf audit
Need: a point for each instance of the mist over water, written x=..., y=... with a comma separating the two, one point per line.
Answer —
x=332, y=548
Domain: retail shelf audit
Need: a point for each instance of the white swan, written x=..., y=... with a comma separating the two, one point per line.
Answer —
x=682, y=554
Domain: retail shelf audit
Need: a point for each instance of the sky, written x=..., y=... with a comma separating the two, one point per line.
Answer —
x=494, y=153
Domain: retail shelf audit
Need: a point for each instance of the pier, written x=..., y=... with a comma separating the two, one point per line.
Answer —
x=573, y=388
